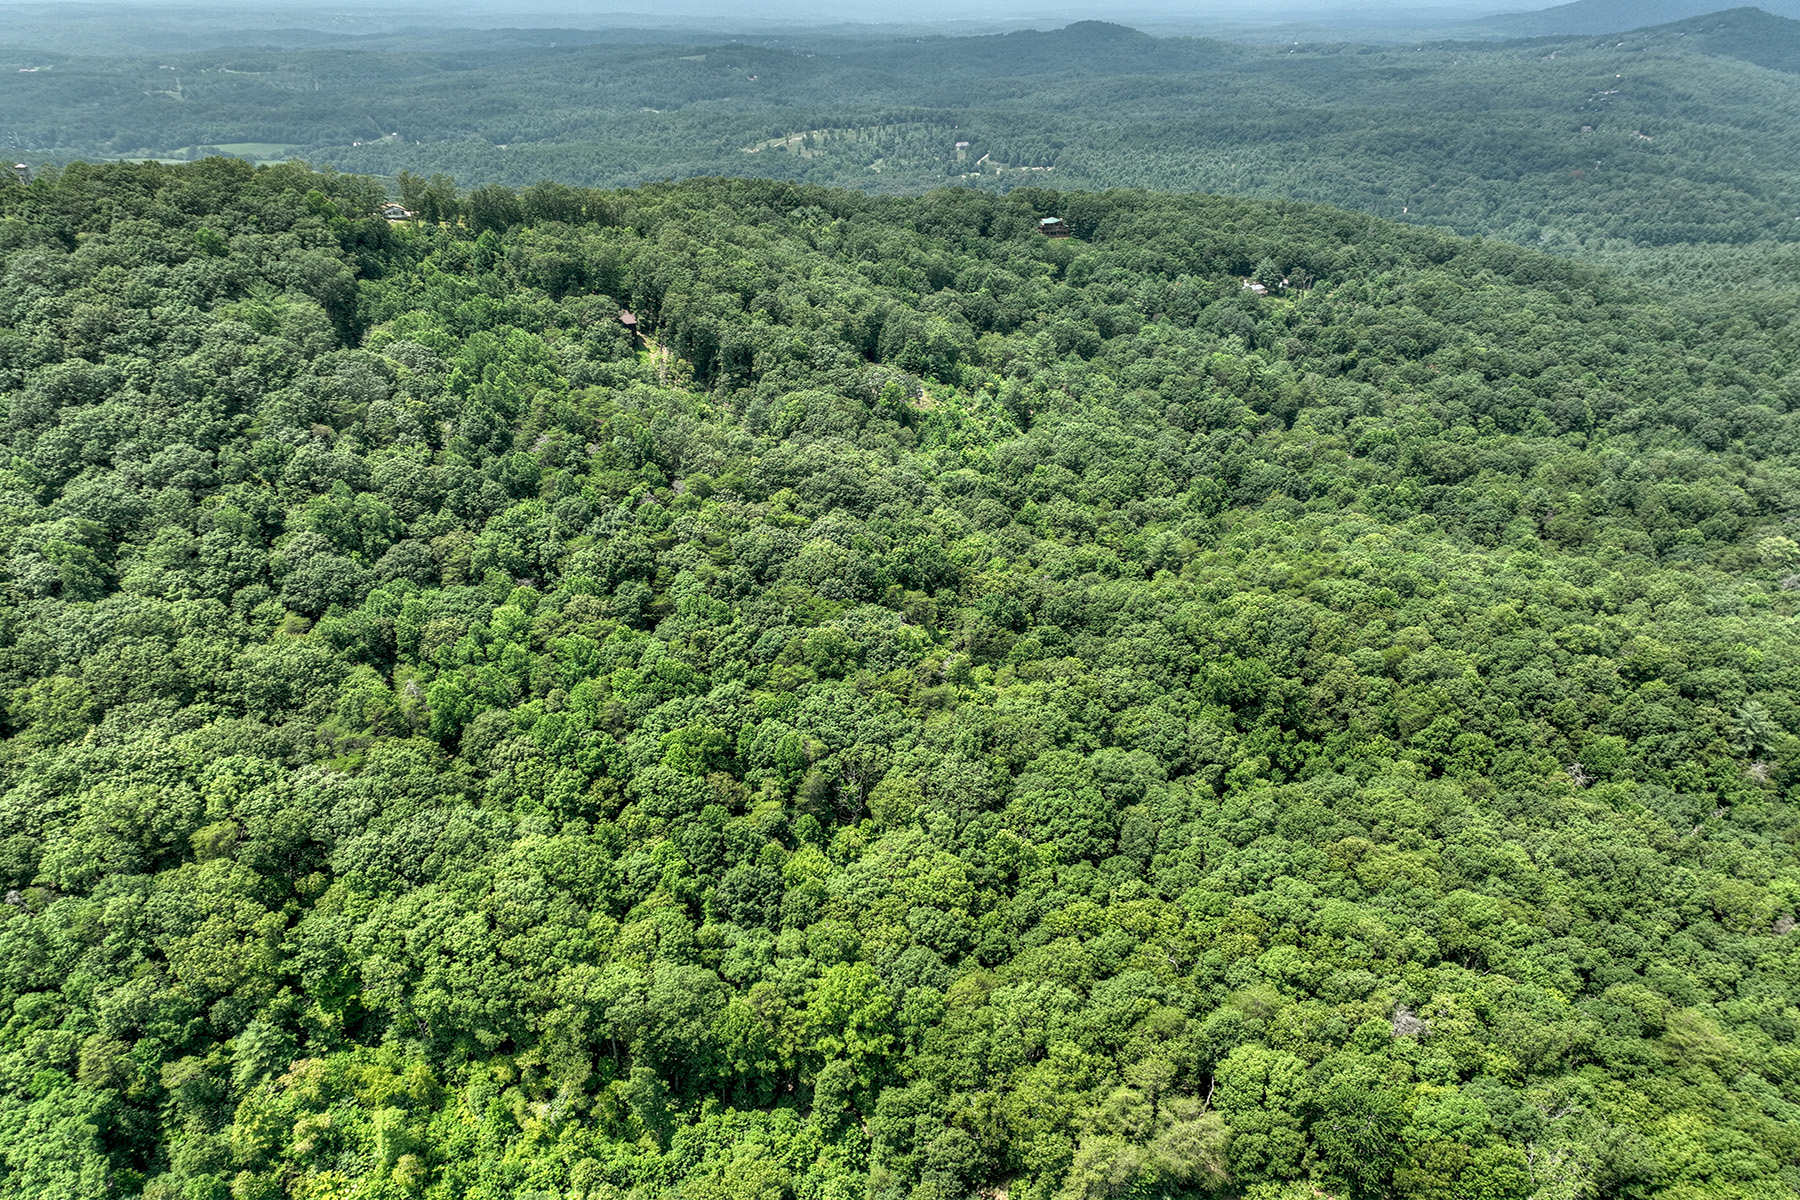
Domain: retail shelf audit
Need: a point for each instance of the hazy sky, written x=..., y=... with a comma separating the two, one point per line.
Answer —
x=1164, y=12
x=587, y=11
x=91, y=26
x=1197, y=8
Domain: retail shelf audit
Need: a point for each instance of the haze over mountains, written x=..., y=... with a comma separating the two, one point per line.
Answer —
x=1686, y=134
x=76, y=26
x=1609, y=16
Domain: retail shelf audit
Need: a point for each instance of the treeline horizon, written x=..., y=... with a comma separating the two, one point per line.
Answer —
x=1679, y=136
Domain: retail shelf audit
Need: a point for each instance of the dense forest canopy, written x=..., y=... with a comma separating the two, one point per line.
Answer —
x=1681, y=134
x=942, y=710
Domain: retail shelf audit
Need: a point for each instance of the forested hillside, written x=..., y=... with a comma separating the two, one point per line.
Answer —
x=947, y=712
x=1681, y=135
x=1602, y=16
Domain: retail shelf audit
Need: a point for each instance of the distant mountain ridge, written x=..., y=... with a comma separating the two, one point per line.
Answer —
x=1748, y=34
x=1614, y=16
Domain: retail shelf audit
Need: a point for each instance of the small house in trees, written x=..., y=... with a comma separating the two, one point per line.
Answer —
x=628, y=319
x=1055, y=227
x=1258, y=288
x=21, y=173
x=395, y=212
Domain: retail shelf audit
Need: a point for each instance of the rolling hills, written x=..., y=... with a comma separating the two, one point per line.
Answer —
x=788, y=683
x=1610, y=16
x=1683, y=134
